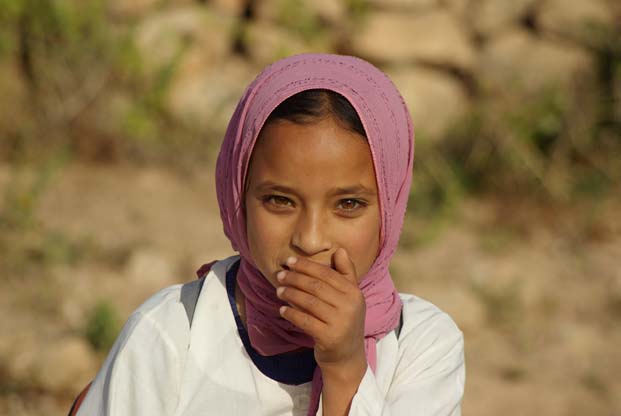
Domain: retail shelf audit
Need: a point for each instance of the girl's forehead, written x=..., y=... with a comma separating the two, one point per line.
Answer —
x=302, y=153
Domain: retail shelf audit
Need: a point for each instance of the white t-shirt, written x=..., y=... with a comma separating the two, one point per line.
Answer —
x=161, y=366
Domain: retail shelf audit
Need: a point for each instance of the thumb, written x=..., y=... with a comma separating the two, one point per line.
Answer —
x=344, y=265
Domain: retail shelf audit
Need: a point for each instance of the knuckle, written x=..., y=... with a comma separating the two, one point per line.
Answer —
x=316, y=285
x=292, y=294
x=331, y=343
x=305, y=322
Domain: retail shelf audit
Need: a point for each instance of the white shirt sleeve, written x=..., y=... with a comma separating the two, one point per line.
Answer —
x=141, y=375
x=429, y=376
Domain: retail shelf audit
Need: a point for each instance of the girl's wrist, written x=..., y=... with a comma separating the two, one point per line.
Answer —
x=347, y=373
x=340, y=384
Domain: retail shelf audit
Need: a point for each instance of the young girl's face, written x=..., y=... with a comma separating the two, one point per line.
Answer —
x=310, y=190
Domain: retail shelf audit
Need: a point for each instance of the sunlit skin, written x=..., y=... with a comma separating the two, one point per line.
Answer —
x=313, y=224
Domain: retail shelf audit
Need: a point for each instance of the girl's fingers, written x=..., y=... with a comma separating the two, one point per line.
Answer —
x=319, y=271
x=345, y=266
x=308, y=303
x=307, y=323
x=314, y=286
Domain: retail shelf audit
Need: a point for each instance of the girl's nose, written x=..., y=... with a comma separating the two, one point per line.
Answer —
x=311, y=235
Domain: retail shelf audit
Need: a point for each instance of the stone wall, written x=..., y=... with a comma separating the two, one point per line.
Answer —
x=195, y=58
x=443, y=55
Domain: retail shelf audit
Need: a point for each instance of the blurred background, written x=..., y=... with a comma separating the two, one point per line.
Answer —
x=111, y=116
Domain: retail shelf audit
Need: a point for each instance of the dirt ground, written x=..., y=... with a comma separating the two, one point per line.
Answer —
x=536, y=292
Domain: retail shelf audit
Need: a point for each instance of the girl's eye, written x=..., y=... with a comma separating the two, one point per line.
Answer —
x=277, y=200
x=350, y=204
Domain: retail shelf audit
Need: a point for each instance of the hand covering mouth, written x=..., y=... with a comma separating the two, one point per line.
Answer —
x=330, y=265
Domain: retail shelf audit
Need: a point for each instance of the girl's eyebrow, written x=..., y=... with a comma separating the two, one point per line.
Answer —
x=271, y=186
x=357, y=189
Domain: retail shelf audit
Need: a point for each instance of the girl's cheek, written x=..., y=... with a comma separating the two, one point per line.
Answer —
x=267, y=240
x=363, y=246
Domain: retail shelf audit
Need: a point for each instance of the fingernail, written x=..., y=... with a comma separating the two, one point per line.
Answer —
x=280, y=290
x=283, y=309
x=281, y=275
x=292, y=260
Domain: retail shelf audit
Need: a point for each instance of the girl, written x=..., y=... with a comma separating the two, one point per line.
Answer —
x=312, y=182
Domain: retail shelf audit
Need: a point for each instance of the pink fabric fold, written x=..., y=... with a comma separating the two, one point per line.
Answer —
x=388, y=125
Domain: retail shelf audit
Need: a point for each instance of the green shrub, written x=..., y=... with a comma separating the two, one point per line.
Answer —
x=102, y=326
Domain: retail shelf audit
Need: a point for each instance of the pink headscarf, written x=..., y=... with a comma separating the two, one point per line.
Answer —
x=389, y=130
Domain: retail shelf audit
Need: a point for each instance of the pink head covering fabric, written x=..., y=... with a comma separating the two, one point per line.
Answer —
x=389, y=130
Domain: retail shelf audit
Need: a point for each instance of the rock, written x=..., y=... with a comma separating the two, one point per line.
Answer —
x=65, y=365
x=18, y=352
x=131, y=9
x=284, y=12
x=519, y=60
x=268, y=10
x=576, y=345
x=229, y=7
x=435, y=37
x=6, y=171
x=267, y=43
x=72, y=312
x=490, y=16
x=458, y=8
x=435, y=100
x=461, y=304
x=575, y=19
x=404, y=4
x=300, y=15
x=205, y=96
x=14, y=93
x=148, y=271
x=170, y=35
x=330, y=10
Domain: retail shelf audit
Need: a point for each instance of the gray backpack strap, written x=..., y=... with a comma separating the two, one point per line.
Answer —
x=189, y=296
x=398, y=329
